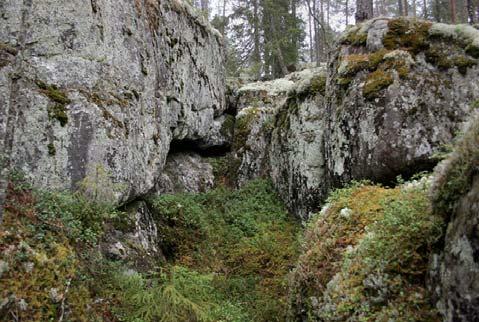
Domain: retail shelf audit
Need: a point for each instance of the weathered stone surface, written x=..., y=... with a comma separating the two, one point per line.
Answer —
x=390, y=102
x=454, y=271
x=134, y=238
x=110, y=83
x=186, y=172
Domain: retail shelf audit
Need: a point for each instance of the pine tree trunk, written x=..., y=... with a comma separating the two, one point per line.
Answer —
x=400, y=9
x=364, y=10
x=405, y=7
x=452, y=4
x=256, y=39
x=311, y=50
x=424, y=5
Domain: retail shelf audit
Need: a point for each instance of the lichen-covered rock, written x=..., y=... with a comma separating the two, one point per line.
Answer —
x=134, y=238
x=390, y=101
x=278, y=133
x=394, y=97
x=110, y=83
x=454, y=271
x=185, y=172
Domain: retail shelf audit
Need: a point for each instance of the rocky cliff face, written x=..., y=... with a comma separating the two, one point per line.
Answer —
x=103, y=87
x=454, y=272
x=386, y=103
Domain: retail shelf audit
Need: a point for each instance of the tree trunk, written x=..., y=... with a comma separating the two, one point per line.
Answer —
x=424, y=6
x=311, y=50
x=405, y=7
x=256, y=39
x=452, y=4
x=414, y=8
x=364, y=10
x=400, y=9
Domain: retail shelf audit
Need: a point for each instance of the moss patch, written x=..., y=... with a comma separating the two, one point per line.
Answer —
x=365, y=257
x=243, y=126
x=435, y=55
x=355, y=38
x=53, y=93
x=454, y=179
x=408, y=35
x=375, y=82
x=51, y=149
x=58, y=112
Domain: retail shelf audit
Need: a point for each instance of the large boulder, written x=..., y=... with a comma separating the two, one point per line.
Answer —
x=387, y=103
x=106, y=84
x=398, y=90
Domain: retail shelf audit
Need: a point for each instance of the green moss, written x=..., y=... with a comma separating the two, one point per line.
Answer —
x=454, y=179
x=352, y=64
x=376, y=58
x=435, y=56
x=463, y=63
x=375, y=82
x=228, y=126
x=58, y=112
x=407, y=35
x=51, y=149
x=318, y=85
x=473, y=51
x=355, y=38
x=365, y=257
x=243, y=126
x=53, y=93
x=49, y=237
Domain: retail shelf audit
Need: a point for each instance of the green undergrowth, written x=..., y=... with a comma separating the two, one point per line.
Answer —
x=242, y=243
x=46, y=241
x=227, y=252
x=365, y=257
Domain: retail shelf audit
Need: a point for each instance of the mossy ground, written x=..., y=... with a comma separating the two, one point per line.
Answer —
x=228, y=256
x=365, y=257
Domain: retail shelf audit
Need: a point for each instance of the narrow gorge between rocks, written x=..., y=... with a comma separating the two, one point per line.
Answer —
x=139, y=183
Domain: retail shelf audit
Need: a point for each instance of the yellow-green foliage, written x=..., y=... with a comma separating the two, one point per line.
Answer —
x=365, y=257
x=454, y=177
x=375, y=82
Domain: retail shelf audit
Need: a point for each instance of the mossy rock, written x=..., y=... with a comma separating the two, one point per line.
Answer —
x=355, y=38
x=473, y=51
x=53, y=93
x=51, y=149
x=58, y=112
x=375, y=82
x=318, y=85
x=408, y=35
